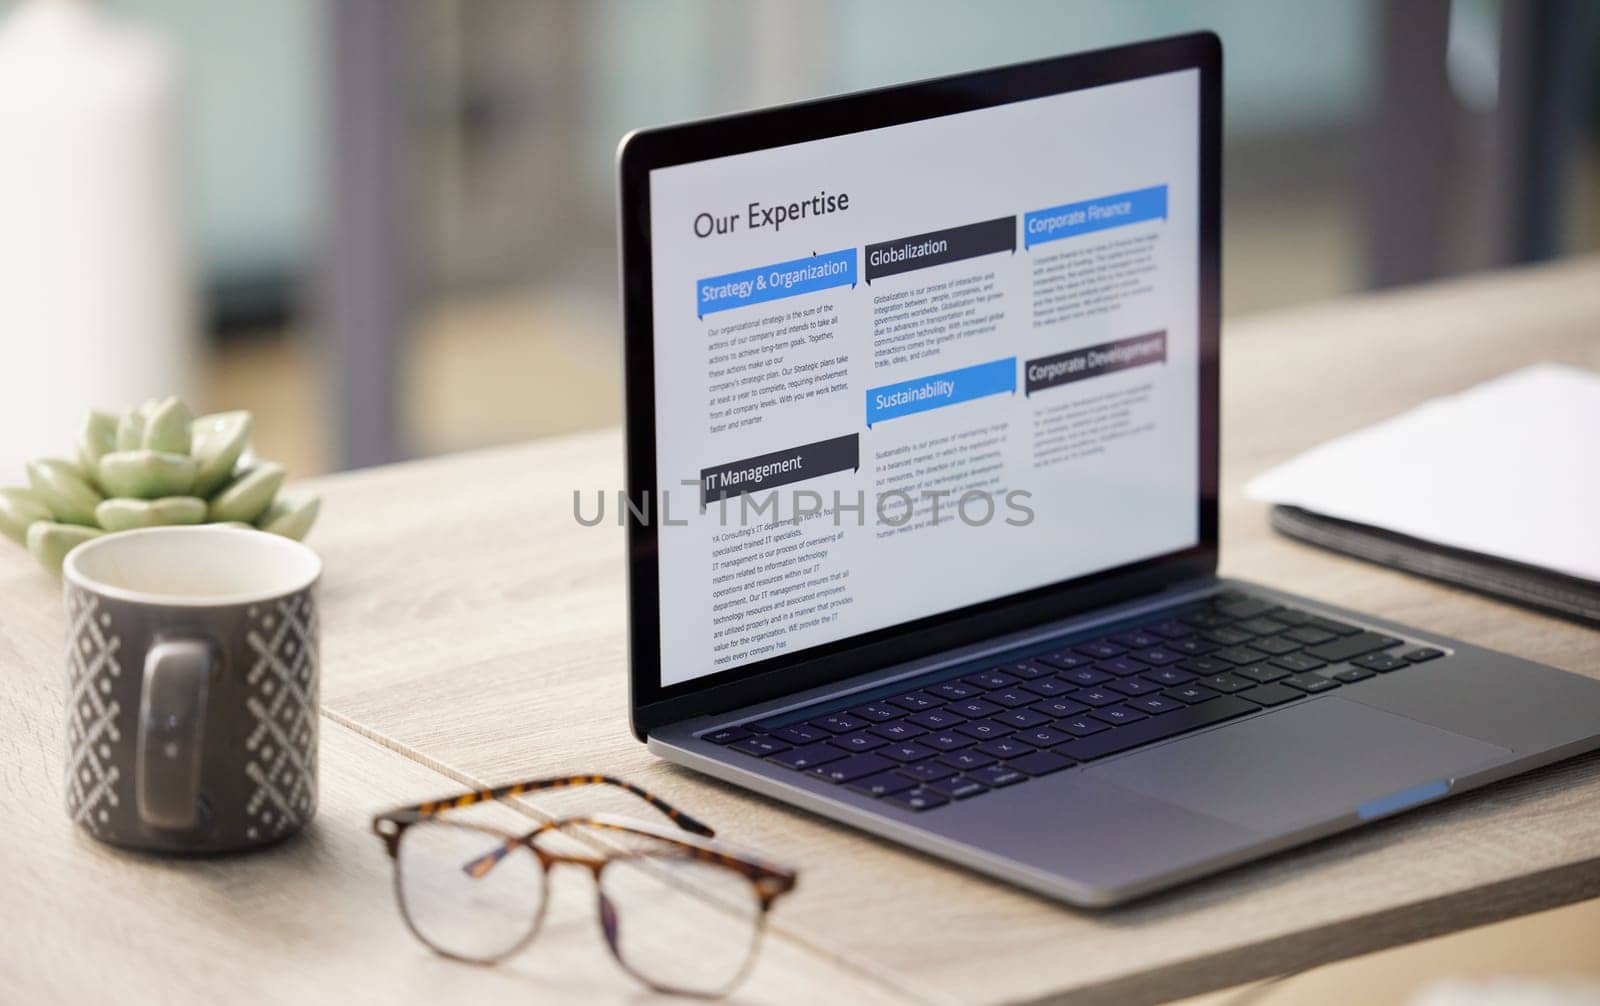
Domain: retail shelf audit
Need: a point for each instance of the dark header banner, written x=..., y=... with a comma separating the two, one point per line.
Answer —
x=1092, y=361
x=780, y=468
x=953, y=244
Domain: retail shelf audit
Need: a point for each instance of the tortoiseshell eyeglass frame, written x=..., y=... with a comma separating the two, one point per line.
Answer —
x=768, y=880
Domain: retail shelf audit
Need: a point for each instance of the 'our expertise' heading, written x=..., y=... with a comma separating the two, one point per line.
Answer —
x=759, y=216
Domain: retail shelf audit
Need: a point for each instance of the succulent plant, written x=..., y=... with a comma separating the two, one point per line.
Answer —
x=156, y=464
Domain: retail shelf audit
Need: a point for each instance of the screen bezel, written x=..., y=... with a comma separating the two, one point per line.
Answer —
x=644, y=151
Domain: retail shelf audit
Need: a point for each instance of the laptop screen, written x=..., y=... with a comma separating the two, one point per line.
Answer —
x=903, y=371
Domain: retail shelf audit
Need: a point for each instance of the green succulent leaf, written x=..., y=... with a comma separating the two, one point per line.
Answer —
x=291, y=515
x=49, y=542
x=64, y=490
x=219, y=440
x=126, y=514
x=249, y=495
x=97, y=438
x=130, y=428
x=146, y=474
x=167, y=427
x=20, y=508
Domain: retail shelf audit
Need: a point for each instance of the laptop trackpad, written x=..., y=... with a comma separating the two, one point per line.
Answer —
x=1311, y=762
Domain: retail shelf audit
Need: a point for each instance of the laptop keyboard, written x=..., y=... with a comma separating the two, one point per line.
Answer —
x=959, y=733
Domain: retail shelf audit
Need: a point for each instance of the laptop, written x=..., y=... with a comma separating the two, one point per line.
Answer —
x=922, y=495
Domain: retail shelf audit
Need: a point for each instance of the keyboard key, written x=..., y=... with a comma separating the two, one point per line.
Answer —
x=1380, y=662
x=1027, y=670
x=926, y=771
x=851, y=769
x=1134, y=686
x=1329, y=625
x=1290, y=616
x=1352, y=646
x=963, y=760
x=1100, y=649
x=1194, y=646
x=1010, y=698
x=947, y=740
x=1310, y=635
x=936, y=719
x=1138, y=639
x=1169, y=676
x=859, y=741
x=1240, y=655
x=877, y=712
x=1205, y=619
x=989, y=679
x=1096, y=697
x=1170, y=629
x=974, y=708
x=1045, y=737
x=1226, y=636
x=1421, y=653
x=1085, y=676
x=809, y=756
x=1005, y=747
x=1311, y=684
x=1261, y=673
x=1023, y=718
x=1160, y=656
x=1065, y=660
x=918, y=798
x=955, y=690
x=1058, y=707
x=1118, y=715
x=800, y=733
x=760, y=746
x=1275, y=645
x=882, y=784
x=1136, y=734
x=1048, y=688
x=1039, y=763
x=984, y=729
x=900, y=730
x=916, y=702
x=1123, y=666
x=1350, y=675
x=1244, y=607
x=1206, y=665
x=1270, y=695
x=1226, y=683
x=727, y=735
x=1297, y=662
x=958, y=788
x=906, y=753
x=1156, y=704
x=1080, y=726
x=839, y=723
x=1191, y=693
x=1261, y=626
x=995, y=776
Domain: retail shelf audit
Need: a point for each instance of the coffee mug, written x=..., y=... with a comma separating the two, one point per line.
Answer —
x=191, y=688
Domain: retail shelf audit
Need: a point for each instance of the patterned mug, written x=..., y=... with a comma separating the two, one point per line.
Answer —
x=191, y=688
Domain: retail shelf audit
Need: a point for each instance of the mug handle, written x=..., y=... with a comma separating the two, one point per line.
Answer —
x=172, y=715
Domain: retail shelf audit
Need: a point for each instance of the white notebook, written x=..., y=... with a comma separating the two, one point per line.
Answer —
x=1510, y=468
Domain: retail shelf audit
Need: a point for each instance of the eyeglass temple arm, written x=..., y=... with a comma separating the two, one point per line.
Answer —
x=678, y=817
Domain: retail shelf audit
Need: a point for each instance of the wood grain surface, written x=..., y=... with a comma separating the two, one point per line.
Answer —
x=474, y=631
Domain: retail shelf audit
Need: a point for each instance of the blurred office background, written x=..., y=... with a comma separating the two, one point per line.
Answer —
x=401, y=212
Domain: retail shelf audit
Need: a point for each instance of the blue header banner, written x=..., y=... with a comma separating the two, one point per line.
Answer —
x=774, y=282
x=1091, y=215
x=935, y=391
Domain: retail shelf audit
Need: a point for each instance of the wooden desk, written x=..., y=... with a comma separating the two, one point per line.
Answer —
x=474, y=632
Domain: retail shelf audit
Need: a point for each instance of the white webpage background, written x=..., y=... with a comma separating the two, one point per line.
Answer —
x=1137, y=500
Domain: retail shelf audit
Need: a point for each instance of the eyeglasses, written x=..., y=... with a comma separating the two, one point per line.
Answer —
x=681, y=913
